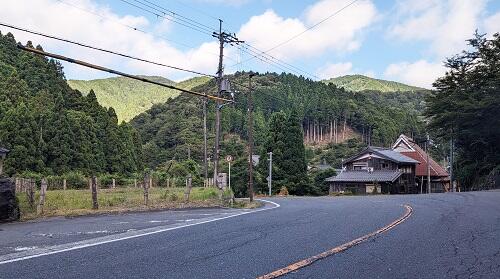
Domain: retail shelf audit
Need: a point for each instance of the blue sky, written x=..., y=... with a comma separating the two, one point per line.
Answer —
x=403, y=40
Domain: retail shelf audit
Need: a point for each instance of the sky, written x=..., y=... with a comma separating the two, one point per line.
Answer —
x=401, y=40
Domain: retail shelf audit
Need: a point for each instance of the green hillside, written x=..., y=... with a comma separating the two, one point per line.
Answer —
x=50, y=128
x=130, y=97
x=386, y=116
x=358, y=83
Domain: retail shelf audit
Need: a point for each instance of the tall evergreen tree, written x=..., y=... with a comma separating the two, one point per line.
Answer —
x=466, y=108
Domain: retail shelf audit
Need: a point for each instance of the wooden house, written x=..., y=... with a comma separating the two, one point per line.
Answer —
x=376, y=170
x=440, y=179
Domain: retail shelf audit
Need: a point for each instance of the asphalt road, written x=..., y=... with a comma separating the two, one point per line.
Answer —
x=447, y=236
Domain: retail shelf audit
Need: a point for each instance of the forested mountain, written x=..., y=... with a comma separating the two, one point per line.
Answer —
x=174, y=130
x=359, y=83
x=53, y=129
x=130, y=97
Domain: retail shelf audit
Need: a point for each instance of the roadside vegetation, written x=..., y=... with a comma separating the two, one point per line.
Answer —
x=79, y=202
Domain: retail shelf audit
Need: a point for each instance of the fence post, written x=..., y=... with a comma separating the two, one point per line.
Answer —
x=18, y=186
x=93, y=185
x=30, y=192
x=146, y=188
x=43, y=192
x=135, y=182
x=64, y=184
x=114, y=184
x=151, y=181
x=187, y=192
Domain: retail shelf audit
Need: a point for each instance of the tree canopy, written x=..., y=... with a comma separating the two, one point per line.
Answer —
x=466, y=108
x=51, y=128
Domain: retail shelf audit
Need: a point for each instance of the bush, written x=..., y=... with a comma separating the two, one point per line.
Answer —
x=173, y=197
x=283, y=191
x=165, y=195
x=75, y=180
x=106, y=180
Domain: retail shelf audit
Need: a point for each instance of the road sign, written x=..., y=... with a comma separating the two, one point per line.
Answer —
x=229, y=158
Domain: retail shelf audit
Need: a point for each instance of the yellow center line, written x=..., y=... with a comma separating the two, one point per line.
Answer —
x=306, y=262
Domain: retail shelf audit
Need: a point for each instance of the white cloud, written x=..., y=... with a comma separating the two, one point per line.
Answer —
x=334, y=70
x=226, y=2
x=54, y=17
x=420, y=73
x=370, y=74
x=446, y=24
x=340, y=33
x=331, y=70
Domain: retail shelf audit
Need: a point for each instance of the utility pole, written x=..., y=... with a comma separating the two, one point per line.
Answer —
x=427, y=145
x=452, y=186
x=250, y=138
x=270, y=177
x=205, y=162
x=223, y=38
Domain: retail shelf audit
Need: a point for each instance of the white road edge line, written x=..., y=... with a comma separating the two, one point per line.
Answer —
x=76, y=247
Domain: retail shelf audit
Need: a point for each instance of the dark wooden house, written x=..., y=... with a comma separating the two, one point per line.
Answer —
x=376, y=170
x=440, y=179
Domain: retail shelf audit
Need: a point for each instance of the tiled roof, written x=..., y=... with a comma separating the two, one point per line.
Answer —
x=389, y=154
x=395, y=156
x=420, y=155
x=365, y=176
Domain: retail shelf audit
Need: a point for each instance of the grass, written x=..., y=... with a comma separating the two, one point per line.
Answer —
x=79, y=202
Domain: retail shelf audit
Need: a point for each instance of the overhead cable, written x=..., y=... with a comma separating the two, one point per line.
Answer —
x=102, y=50
x=108, y=70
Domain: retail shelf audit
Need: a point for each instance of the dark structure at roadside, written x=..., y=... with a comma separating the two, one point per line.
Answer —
x=376, y=170
x=9, y=207
x=400, y=170
x=3, y=154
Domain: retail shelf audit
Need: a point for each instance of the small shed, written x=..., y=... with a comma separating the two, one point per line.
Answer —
x=3, y=154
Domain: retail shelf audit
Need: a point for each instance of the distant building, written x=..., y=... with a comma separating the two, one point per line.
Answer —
x=376, y=170
x=440, y=179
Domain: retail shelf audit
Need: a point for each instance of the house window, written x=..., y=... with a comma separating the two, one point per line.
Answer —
x=405, y=169
x=385, y=165
x=359, y=166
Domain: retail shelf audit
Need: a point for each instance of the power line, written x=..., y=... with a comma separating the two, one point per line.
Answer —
x=278, y=63
x=286, y=102
x=197, y=10
x=191, y=26
x=128, y=26
x=103, y=50
x=306, y=30
x=174, y=14
x=104, y=69
x=283, y=62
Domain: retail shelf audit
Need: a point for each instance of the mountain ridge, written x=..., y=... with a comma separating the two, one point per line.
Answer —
x=131, y=97
x=358, y=83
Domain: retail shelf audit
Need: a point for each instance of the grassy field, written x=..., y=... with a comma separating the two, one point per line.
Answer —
x=79, y=202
